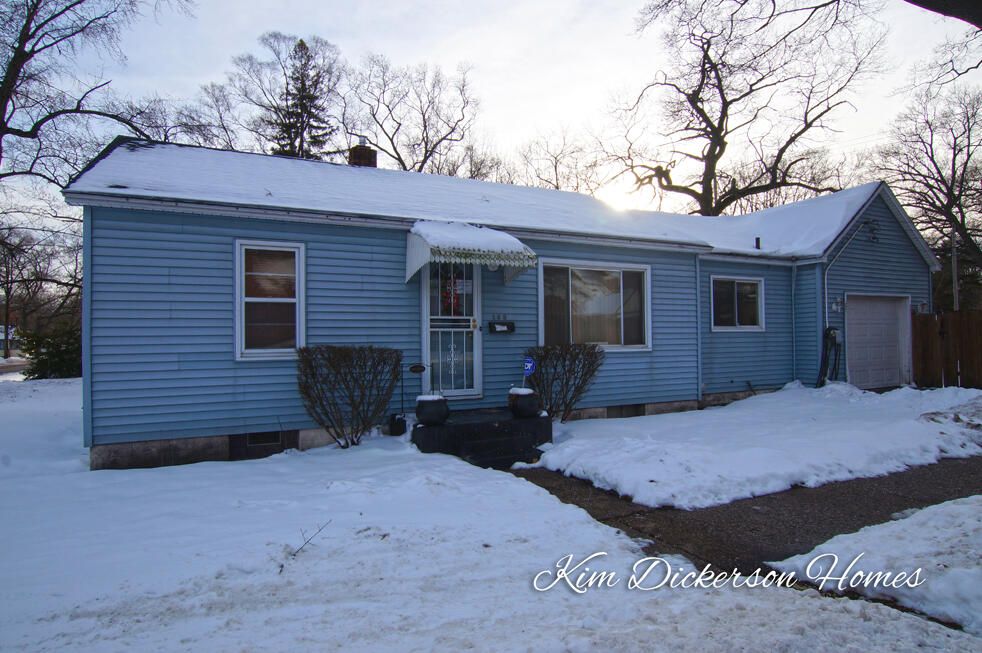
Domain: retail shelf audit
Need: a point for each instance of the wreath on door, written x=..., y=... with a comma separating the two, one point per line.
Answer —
x=449, y=297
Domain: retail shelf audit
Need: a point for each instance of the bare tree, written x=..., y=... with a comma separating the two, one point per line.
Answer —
x=258, y=97
x=45, y=107
x=414, y=116
x=53, y=119
x=749, y=88
x=819, y=168
x=18, y=277
x=934, y=163
x=212, y=119
x=562, y=162
x=40, y=277
x=952, y=60
x=474, y=161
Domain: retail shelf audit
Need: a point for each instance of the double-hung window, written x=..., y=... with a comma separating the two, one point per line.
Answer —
x=602, y=305
x=269, y=320
x=738, y=304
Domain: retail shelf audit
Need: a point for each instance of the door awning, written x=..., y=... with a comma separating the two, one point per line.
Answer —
x=459, y=242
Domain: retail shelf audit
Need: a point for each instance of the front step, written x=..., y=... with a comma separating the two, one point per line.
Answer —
x=486, y=438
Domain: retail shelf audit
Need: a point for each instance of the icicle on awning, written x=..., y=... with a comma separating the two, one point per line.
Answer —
x=459, y=242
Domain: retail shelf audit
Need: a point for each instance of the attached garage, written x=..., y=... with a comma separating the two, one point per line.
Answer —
x=876, y=273
x=877, y=340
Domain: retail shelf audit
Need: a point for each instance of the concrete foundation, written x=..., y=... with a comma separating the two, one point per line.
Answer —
x=588, y=413
x=648, y=409
x=670, y=407
x=312, y=438
x=158, y=453
x=181, y=451
x=723, y=398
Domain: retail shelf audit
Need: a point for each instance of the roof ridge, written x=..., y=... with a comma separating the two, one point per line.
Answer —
x=132, y=170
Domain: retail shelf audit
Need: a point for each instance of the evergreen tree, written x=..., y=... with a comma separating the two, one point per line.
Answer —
x=302, y=127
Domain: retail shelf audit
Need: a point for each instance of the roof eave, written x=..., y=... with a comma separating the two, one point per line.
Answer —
x=179, y=205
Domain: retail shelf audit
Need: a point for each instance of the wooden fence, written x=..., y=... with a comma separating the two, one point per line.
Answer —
x=948, y=349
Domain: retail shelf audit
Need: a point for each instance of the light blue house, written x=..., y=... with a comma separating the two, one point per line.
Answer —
x=205, y=269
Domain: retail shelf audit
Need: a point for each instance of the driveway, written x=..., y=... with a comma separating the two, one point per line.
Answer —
x=745, y=534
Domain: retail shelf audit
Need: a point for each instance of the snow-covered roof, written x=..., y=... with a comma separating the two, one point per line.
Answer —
x=802, y=229
x=160, y=171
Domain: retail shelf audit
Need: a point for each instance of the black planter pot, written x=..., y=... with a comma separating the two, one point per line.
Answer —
x=432, y=412
x=397, y=424
x=524, y=406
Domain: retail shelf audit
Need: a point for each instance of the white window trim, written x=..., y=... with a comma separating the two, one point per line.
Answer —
x=241, y=354
x=761, y=304
x=606, y=266
x=477, y=392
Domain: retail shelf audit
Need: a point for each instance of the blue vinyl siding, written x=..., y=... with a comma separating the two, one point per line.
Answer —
x=808, y=322
x=162, y=355
x=735, y=361
x=890, y=264
x=159, y=319
x=668, y=371
x=162, y=329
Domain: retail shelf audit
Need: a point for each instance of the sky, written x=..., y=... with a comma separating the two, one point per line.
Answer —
x=537, y=65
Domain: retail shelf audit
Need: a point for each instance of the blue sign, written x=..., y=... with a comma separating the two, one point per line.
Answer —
x=529, y=366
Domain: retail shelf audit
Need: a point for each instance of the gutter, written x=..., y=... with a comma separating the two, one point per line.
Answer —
x=763, y=259
x=310, y=216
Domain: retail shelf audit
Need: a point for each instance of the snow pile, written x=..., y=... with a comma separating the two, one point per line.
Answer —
x=945, y=541
x=180, y=172
x=417, y=553
x=763, y=444
x=22, y=404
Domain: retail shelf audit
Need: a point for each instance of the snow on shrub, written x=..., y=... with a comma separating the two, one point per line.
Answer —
x=347, y=388
x=562, y=375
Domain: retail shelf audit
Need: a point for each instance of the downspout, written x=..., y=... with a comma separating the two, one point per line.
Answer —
x=794, y=319
x=698, y=330
x=87, y=276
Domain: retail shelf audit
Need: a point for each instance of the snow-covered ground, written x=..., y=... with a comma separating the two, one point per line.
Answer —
x=764, y=444
x=419, y=553
x=944, y=541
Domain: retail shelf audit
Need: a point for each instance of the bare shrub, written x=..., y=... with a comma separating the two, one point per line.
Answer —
x=562, y=375
x=346, y=389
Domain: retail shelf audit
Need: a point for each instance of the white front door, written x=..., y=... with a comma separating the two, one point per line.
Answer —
x=451, y=332
x=876, y=341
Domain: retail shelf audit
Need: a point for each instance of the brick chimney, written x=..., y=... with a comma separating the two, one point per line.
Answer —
x=362, y=155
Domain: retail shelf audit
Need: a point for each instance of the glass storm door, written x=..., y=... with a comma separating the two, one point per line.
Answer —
x=453, y=329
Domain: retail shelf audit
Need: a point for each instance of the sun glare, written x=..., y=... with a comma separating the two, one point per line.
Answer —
x=621, y=197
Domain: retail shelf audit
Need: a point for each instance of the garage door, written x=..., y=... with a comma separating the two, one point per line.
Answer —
x=875, y=345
